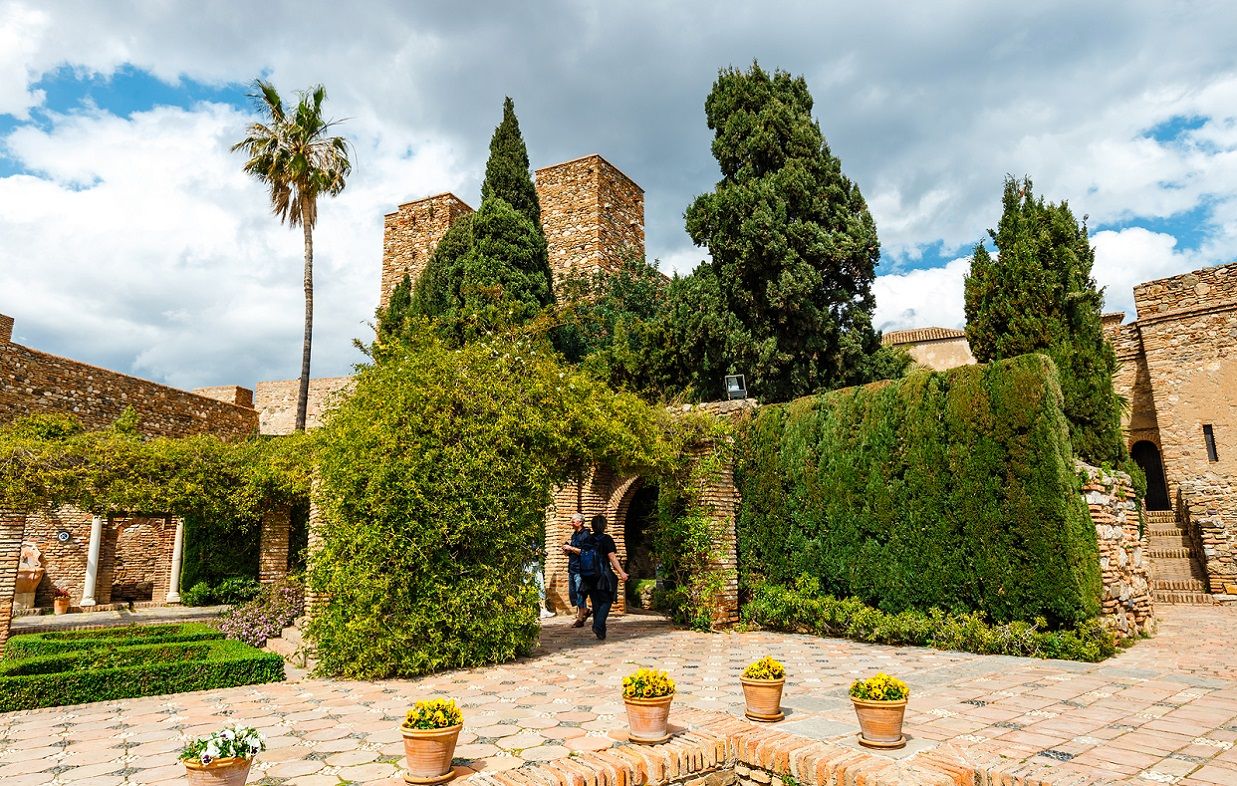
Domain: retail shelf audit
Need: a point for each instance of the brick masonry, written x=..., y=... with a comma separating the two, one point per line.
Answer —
x=273, y=551
x=35, y=382
x=591, y=213
x=276, y=402
x=1126, y=597
x=12, y=527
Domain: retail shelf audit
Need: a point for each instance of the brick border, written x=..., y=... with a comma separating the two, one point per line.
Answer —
x=719, y=750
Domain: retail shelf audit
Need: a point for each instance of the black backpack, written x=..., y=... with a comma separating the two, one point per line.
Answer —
x=590, y=560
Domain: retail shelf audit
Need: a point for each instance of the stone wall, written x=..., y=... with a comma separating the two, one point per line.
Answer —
x=1207, y=510
x=939, y=349
x=230, y=394
x=410, y=234
x=65, y=563
x=1191, y=290
x=592, y=215
x=141, y=569
x=34, y=382
x=276, y=402
x=1126, y=597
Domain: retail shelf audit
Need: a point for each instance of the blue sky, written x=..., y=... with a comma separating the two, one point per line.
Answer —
x=132, y=240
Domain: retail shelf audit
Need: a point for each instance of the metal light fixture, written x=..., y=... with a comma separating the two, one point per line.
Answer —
x=736, y=387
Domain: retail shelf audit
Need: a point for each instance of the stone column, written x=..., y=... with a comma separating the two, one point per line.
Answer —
x=12, y=530
x=273, y=544
x=178, y=546
x=92, y=561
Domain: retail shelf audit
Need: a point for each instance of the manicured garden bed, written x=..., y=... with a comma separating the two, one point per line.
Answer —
x=32, y=645
x=122, y=671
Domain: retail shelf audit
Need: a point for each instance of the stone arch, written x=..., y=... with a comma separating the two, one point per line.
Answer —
x=1147, y=455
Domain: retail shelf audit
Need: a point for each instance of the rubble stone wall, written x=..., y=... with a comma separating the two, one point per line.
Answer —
x=276, y=402
x=410, y=234
x=1207, y=511
x=1126, y=601
x=12, y=527
x=33, y=382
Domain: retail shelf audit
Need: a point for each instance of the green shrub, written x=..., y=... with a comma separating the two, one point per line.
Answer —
x=128, y=672
x=806, y=609
x=434, y=478
x=30, y=645
x=199, y=594
x=229, y=592
x=950, y=490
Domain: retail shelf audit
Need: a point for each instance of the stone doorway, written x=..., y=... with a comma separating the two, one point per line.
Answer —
x=637, y=516
x=1147, y=456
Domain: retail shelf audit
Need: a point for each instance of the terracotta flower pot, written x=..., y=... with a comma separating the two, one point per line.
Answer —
x=429, y=753
x=880, y=723
x=60, y=605
x=764, y=699
x=648, y=719
x=220, y=772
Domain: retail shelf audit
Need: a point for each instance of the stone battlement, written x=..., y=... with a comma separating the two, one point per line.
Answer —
x=1198, y=288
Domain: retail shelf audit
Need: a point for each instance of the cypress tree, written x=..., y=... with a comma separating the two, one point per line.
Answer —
x=1037, y=295
x=507, y=171
x=793, y=246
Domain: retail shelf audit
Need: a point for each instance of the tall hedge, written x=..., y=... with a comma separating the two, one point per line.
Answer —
x=952, y=490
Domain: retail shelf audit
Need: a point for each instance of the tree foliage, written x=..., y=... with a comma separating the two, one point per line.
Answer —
x=786, y=298
x=1037, y=295
x=507, y=170
x=435, y=478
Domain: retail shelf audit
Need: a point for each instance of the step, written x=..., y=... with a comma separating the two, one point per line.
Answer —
x=1177, y=540
x=1165, y=554
x=1183, y=598
x=1159, y=516
x=1180, y=569
x=1163, y=531
x=1179, y=585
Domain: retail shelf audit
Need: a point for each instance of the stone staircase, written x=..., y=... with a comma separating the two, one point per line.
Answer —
x=1177, y=571
x=295, y=652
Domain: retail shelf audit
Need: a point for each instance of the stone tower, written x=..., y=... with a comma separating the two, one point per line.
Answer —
x=591, y=213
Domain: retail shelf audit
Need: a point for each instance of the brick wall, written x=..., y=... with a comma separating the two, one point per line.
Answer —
x=410, y=234
x=65, y=562
x=1126, y=597
x=273, y=544
x=35, y=382
x=12, y=525
x=592, y=215
x=141, y=569
x=276, y=402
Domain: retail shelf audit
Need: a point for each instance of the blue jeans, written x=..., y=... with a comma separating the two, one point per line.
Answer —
x=575, y=590
x=602, y=600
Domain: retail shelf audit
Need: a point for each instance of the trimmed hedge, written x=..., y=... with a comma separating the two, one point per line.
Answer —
x=33, y=645
x=951, y=490
x=804, y=609
x=128, y=672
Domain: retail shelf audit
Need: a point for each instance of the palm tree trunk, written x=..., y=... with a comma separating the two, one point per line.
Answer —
x=302, y=397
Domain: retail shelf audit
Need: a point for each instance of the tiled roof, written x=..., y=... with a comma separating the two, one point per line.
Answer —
x=916, y=335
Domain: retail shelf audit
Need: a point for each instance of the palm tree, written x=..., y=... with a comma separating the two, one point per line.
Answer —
x=294, y=156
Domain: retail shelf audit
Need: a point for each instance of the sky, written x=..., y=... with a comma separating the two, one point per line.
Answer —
x=131, y=239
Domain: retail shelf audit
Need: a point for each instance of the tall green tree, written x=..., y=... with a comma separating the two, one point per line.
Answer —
x=1037, y=295
x=293, y=153
x=491, y=268
x=793, y=246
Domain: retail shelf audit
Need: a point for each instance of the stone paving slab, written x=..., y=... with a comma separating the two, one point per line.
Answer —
x=1164, y=711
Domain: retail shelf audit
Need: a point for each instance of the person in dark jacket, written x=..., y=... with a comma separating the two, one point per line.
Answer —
x=603, y=588
x=580, y=538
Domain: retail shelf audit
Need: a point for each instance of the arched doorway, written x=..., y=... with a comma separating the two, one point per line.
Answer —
x=639, y=521
x=1147, y=456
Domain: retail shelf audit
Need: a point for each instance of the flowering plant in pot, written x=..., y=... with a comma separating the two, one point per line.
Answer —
x=880, y=703
x=60, y=600
x=647, y=694
x=762, y=682
x=222, y=758
x=431, y=729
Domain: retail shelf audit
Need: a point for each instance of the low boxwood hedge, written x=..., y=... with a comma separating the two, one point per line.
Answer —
x=128, y=672
x=33, y=645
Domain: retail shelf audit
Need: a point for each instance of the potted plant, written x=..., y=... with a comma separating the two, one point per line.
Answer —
x=222, y=758
x=647, y=694
x=763, y=681
x=60, y=600
x=880, y=703
x=430, y=731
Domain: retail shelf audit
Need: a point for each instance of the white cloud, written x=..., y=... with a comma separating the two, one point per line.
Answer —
x=1131, y=256
x=921, y=298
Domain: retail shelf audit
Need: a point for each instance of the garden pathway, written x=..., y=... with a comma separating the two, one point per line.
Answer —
x=1162, y=712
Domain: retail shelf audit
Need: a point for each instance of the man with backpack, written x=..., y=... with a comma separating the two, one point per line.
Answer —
x=582, y=562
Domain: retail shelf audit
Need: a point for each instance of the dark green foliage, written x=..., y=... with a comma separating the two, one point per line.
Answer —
x=953, y=490
x=32, y=645
x=804, y=608
x=127, y=672
x=506, y=171
x=217, y=550
x=1038, y=295
x=229, y=591
x=793, y=249
x=399, y=306
x=434, y=481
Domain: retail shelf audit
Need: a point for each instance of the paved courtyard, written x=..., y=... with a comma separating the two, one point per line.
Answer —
x=1163, y=712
